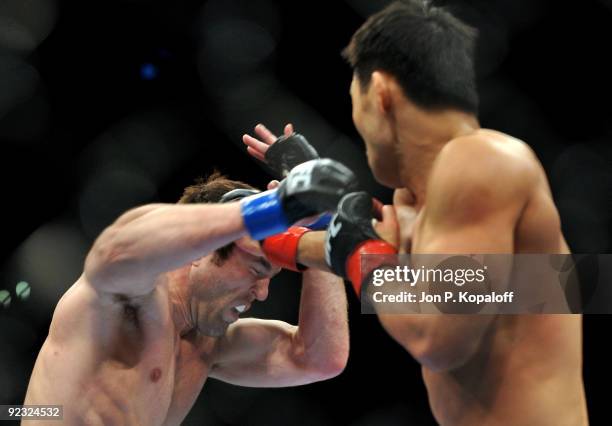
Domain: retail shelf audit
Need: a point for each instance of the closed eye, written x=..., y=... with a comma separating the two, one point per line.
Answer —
x=257, y=274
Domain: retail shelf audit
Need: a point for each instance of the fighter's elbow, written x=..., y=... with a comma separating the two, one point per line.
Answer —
x=440, y=354
x=327, y=369
x=432, y=347
x=324, y=366
x=336, y=364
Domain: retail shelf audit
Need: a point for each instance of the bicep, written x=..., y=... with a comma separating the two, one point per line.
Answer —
x=444, y=341
x=474, y=208
x=77, y=311
x=137, y=212
x=468, y=211
x=473, y=211
x=260, y=353
x=102, y=255
x=492, y=234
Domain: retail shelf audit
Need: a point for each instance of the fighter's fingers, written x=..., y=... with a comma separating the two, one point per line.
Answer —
x=273, y=184
x=256, y=154
x=266, y=136
x=403, y=197
x=288, y=129
x=388, y=227
x=377, y=206
x=389, y=215
x=254, y=143
x=405, y=214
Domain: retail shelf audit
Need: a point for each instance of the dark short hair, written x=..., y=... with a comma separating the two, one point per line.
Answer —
x=428, y=50
x=210, y=190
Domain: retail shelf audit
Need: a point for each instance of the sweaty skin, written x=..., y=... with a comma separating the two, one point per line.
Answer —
x=134, y=340
x=508, y=369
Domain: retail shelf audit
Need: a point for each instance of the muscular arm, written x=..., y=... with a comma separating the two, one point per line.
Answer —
x=475, y=196
x=146, y=241
x=266, y=353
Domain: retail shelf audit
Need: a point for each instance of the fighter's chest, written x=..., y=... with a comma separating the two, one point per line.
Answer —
x=137, y=376
x=190, y=373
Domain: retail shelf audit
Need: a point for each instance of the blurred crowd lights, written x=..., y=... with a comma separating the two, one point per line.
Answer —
x=22, y=292
x=149, y=71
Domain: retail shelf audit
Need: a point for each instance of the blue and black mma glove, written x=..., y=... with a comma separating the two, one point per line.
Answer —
x=280, y=249
x=313, y=187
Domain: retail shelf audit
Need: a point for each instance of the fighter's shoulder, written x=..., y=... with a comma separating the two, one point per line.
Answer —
x=83, y=309
x=480, y=173
x=71, y=311
x=487, y=159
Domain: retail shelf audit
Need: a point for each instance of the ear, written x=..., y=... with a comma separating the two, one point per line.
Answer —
x=249, y=245
x=381, y=90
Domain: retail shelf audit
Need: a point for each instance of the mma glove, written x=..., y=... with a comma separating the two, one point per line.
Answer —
x=351, y=235
x=287, y=152
x=310, y=188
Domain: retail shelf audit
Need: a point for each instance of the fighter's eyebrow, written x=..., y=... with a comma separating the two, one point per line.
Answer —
x=264, y=264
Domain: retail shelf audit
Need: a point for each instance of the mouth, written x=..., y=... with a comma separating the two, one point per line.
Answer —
x=240, y=308
x=237, y=310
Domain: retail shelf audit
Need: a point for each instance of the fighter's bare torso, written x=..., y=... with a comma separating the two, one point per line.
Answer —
x=110, y=360
x=528, y=368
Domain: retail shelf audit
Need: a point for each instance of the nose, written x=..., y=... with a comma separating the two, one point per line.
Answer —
x=260, y=289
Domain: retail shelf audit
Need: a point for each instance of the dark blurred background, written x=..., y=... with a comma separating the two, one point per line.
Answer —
x=105, y=105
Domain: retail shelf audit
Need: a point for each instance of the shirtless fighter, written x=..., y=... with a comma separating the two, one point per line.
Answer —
x=157, y=308
x=459, y=189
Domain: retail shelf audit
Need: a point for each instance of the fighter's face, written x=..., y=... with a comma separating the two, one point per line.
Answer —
x=222, y=292
x=373, y=125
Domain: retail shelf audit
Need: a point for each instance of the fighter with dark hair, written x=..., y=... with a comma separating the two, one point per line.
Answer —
x=459, y=189
x=156, y=310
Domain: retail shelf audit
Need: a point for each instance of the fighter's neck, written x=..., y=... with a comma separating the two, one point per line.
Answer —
x=180, y=296
x=421, y=137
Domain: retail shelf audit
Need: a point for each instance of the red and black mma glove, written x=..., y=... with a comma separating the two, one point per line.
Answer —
x=350, y=235
x=281, y=249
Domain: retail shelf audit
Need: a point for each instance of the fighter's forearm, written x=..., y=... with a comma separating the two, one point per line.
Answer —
x=323, y=325
x=129, y=254
x=311, y=250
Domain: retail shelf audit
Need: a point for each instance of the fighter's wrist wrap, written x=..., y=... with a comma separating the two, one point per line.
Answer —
x=354, y=265
x=263, y=215
x=282, y=249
